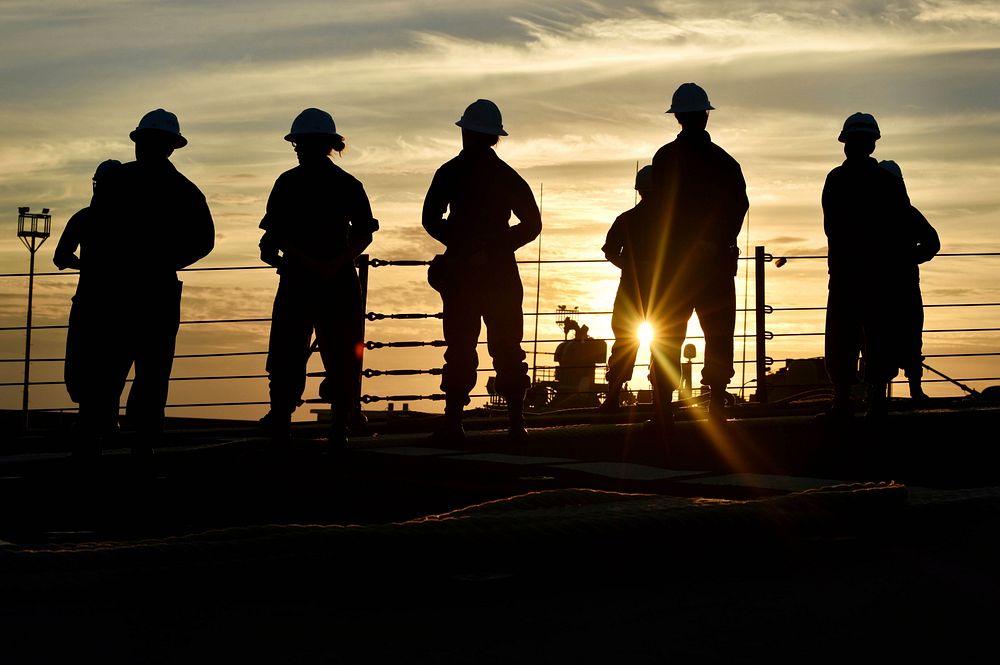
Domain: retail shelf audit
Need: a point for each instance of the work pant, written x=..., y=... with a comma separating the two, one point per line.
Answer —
x=91, y=346
x=911, y=322
x=493, y=296
x=333, y=310
x=626, y=317
x=82, y=339
x=712, y=296
x=862, y=318
x=143, y=336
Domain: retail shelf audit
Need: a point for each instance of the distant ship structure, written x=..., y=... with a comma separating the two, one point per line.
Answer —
x=572, y=382
x=577, y=360
x=800, y=378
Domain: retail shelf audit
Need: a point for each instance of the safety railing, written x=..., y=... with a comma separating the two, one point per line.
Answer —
x=758, y=336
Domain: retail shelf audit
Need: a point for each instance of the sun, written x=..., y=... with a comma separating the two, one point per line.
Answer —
x=645, y=333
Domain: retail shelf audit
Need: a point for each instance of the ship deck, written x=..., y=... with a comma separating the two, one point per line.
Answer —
x=769, y=536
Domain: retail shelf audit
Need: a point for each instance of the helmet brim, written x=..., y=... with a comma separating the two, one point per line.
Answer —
x=291, y=138
x=179, y=141
x=482, y=129
x=683, y=110
x=859, y=132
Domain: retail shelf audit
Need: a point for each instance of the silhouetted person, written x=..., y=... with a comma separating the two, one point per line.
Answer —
x=74, y=235
x=477, y=275
x=699, y=197
x=318, y=222
x=153, y=222
x=80, y=369
x=865, y=213
x=923, y=245
x=627, y=246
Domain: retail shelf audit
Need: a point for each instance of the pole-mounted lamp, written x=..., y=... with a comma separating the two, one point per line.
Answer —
x=33, y=229
x=686, y=388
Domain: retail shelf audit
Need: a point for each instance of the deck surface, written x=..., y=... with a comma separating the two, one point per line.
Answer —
x=764, y=538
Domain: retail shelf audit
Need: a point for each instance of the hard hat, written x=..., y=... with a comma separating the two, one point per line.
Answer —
x=312, y=121
x=892, y=167
x=860, y=123
x=160, y=121
x=482, y=116
x=104, y=168
x=644, y=178
x=689, y=97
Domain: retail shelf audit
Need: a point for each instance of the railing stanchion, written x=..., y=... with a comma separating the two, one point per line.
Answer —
x=760, y=261
x=363, y=278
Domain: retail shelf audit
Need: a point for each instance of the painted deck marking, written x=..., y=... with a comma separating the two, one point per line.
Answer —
x=626, y=470
x=513, y=459
x=413, y=451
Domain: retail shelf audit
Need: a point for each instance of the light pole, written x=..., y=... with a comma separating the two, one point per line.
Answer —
x=33, y=229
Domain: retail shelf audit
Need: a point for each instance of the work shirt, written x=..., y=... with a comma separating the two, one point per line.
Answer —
x=700, y=197
x=71, y=240
x=631, y=241
x=866, y=212
x=925, y=241
x=154, y=222
x=480, y=192
x=313, y=213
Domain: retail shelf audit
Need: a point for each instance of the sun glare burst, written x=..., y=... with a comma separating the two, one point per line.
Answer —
x=645, y=333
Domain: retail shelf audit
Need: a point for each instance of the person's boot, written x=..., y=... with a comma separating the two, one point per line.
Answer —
x=717, y=405
x=87, y=442
x=662, y=423
x=277, y=424
x=450, y=429
x=613, y=400
x=145, y=442
x=878, y=402
x=357, y=422
x=336, y=436
x=917, y=393
x=840, y=409
x=87, y=445
x=346, y=419
x=515, y=414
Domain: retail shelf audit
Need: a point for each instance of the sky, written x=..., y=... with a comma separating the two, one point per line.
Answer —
x=582, y=86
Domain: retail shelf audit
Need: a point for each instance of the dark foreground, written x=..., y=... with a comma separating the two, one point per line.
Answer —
x=770, y=539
